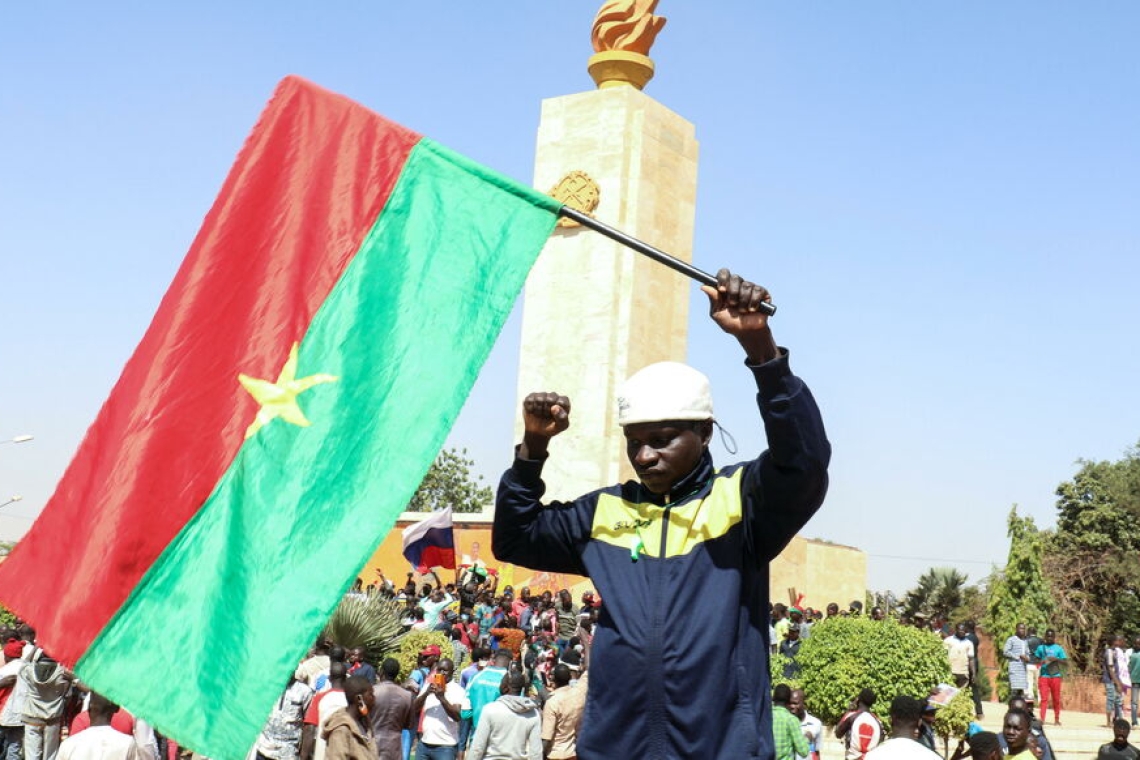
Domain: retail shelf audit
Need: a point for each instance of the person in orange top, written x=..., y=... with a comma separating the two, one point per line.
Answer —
x=510, y=637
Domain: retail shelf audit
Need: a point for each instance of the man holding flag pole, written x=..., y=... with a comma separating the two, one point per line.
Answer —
x=285, y=393
x=702, y=690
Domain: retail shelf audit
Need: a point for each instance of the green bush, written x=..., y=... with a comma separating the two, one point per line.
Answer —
x=844, y=655
x=951, y=721
x=776, y=665
x=413, y=643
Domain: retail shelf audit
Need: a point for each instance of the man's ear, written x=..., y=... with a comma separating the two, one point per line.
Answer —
x=705, y=430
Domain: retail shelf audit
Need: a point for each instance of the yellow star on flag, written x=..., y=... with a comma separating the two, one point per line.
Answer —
x=279, y=399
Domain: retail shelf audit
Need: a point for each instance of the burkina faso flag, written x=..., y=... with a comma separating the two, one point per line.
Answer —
x=299, y=377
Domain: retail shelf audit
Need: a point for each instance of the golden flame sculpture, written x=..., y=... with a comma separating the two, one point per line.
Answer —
x=626, y=25
x=623, y=32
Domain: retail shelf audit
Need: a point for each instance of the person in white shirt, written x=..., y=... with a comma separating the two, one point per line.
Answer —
x=100, y=741
x=963, y=658
x=811, y=725
x=440, y=699
x=906, y=714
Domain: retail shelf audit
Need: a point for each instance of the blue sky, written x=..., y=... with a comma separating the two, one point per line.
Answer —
x=943, y=198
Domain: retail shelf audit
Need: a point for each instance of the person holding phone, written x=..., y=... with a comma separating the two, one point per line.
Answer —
x=438, y=703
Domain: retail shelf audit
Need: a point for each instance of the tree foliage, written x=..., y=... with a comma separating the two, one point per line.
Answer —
x=1093, y=558
x=449, y=483
x=844, y=655
x=1020, y=593
x=938, y=593
x=973, y=604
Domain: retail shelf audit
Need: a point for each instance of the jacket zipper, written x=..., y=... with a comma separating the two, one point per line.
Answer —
x=659, y=735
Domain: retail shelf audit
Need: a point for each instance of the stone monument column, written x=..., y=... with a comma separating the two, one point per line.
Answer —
x=595, y=312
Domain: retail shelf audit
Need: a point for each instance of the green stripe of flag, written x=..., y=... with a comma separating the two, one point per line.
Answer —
x=231, y=606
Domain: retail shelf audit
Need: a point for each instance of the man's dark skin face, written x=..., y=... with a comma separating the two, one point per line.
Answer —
x=1051, y=638
x=960, y=631
x=1016, y=732
x=663, y=453
x=1021, y=631
x=1120, y=733
x=796, y=704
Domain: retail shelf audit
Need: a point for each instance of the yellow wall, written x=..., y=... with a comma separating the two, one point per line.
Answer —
x=823, y=572
x=472, y=541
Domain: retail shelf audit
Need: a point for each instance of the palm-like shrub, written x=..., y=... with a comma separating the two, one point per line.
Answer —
x=370, y=622
x=938, y=593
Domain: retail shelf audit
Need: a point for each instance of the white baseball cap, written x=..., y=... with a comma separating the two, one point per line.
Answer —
x=665, y=391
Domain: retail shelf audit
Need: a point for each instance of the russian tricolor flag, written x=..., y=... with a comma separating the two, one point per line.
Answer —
x=431, y=542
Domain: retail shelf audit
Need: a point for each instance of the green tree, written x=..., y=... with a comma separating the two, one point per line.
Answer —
x=8, y=618
x=973, y=604
x=1020, y=593
x=1093, y=558
x=885, y=600
x=938, y=593
x=844, y=655
x=449, y=483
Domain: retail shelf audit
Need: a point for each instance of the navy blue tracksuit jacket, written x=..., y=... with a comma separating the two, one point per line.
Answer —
x=679, y=664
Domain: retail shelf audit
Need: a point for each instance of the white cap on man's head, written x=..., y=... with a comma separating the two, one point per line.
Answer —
x=665, y=391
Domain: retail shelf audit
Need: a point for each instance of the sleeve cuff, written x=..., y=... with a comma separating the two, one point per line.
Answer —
x=528, y=470
x=771, y=375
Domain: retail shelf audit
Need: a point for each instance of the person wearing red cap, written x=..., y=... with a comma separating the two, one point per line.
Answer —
x=429, y=656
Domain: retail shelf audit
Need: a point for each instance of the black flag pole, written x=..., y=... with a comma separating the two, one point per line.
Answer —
x=647, y=250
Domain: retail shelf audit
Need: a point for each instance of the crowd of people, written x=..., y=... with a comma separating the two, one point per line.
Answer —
x=512, y=684
x=39, y=699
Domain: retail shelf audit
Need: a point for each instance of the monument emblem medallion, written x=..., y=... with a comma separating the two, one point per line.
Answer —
x=578, y=191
